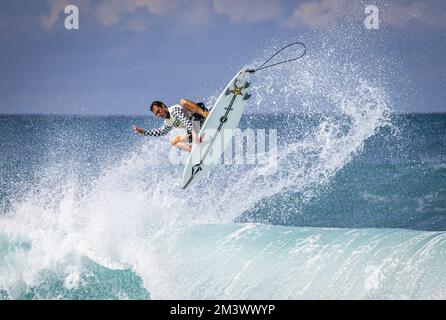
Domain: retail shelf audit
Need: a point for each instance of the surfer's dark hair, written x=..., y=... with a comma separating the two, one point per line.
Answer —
x=156, y=103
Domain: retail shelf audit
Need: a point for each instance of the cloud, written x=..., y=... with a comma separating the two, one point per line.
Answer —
x=56, y=7
x=324, y=14
x=110, y=12
x=399, y=14
x=249, y=10
x=320, y=14
x=193, y=16
x=317, y=14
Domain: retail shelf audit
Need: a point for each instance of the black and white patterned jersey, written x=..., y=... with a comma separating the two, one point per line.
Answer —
x=179, y=118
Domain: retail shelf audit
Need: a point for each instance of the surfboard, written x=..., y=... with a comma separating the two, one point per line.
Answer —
x=217, y=131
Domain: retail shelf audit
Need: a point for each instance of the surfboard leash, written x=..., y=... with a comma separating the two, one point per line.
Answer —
x=265, y=66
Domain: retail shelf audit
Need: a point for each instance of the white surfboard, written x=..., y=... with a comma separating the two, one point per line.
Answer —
x=216, y=133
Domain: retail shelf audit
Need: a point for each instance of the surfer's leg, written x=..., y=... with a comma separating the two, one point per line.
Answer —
x=180, y=142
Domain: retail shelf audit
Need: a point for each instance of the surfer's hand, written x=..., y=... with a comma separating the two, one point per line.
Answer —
x=195, y=138
x=138, y=130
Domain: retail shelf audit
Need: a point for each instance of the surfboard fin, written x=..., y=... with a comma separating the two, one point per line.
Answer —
x=246, y=96
x=195, y=169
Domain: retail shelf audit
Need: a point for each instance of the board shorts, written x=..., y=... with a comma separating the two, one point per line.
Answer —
x=197, y=121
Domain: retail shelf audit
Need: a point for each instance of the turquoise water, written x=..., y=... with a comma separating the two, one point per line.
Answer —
x=90, y=211
x=249, y=261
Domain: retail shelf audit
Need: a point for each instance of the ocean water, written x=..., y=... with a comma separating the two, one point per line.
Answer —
x=90, y=211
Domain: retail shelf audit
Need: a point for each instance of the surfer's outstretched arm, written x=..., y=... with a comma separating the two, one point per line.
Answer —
x=193, y=107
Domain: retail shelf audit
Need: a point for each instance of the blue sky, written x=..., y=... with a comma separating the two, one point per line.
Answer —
x=129, y=52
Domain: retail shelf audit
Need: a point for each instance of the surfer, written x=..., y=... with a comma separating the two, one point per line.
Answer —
x=187, y=114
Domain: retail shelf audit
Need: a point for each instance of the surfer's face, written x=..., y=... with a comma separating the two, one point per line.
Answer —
x=160, y=111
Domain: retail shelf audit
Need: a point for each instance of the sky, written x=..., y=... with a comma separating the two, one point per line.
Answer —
x=127, y=53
